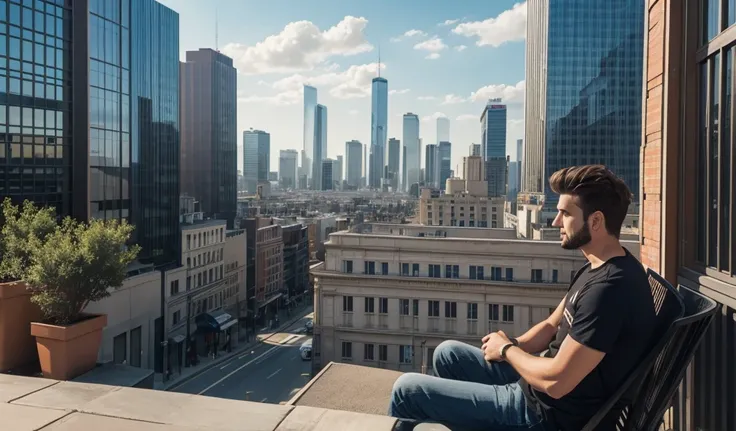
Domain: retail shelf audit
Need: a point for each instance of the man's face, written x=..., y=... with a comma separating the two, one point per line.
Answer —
x=574, y=230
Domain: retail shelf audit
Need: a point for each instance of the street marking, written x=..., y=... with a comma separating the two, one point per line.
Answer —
x=293, y=357
x=273, y=374
x=264, y=400
x=237, y=369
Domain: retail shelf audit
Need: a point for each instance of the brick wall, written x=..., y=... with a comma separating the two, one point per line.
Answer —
x=651, y=154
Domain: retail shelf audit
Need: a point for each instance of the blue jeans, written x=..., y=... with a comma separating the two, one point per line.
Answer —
x=469, y=394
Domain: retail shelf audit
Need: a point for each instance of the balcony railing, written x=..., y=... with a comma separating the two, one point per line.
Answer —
x=473, y=327
x=383, y=321
x=347, y=319
x=450, y=326
x=409, y=323
x=433, y=324
x=370, y=320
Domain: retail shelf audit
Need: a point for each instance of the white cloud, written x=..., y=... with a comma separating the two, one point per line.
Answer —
x=284, y=98
x=461, y=48
x=433, y=117
x=449, y=22
x=407, y=34
x=426, y=98
x=355, y=82
x=353, y=112
x=402, y=91
x=301, y=45
x=433, y=56
x=508, y=26
x=467, y=117
x=508, y=93
x=452, y=99
x=434, y=44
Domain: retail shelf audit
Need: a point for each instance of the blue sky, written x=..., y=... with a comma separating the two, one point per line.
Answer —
x=441, y=58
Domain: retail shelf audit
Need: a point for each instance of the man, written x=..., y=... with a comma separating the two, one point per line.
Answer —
x=594, y=339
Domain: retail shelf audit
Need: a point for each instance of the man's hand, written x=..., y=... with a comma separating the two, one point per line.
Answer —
x=492, y=344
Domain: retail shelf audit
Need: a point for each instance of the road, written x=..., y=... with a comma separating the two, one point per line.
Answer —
x=270, y=373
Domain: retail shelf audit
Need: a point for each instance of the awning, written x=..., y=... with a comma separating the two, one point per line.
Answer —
x=270, y=300
x=214, y=321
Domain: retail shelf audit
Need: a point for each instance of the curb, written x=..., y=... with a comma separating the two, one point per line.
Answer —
x=231, y=355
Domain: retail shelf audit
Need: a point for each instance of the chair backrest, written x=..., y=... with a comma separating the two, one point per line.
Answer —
x=669, y=307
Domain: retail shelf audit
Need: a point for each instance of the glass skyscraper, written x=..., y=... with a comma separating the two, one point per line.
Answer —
x=444, y=164
x=256, y=158
x=320, y=145
x=412, y=147
x=353, y=163
x=310, y=105
x=112, y=154
x=586, y=108
x=379, y=126
x=493, y=146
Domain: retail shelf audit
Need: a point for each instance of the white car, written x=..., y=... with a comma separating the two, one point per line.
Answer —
x=305, y=350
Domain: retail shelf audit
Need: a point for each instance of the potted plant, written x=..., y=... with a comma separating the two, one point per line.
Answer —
x=77, y=264
x=23, y=229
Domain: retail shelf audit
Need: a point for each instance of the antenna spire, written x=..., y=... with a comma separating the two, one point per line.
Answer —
x=379, y=60
x=217, y=32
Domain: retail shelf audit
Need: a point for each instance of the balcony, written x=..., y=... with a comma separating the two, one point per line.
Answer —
x=383, y=321
x=370, y=321
x=473, y=327
x=433, y=324
x=450, y=326
x=347, y=320
x=409, y=323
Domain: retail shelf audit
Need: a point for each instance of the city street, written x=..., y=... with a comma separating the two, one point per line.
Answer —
x=270, y=372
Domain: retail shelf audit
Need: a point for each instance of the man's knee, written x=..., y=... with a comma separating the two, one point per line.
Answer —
x=446, y=352
x=407, y=383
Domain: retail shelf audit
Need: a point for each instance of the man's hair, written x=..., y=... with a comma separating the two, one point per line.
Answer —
x=596, y=189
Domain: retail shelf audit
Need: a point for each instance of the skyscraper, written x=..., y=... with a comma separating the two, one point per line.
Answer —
x=208, y=132
x=394, y=159
x=353, y=163
x=288, y=167
x=413, y=149
x=256, y=158
x=310, y=105
x=584, y=89
x=474, y=150
x=337, y=171
x=493, y=146
x=327, y=171
x=379, y=125
x=319, y=153
x=514, y=180
x=443, y=129
x=444, y=163
x=431, y=169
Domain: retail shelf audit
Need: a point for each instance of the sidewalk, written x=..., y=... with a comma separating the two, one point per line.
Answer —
x=205, y=363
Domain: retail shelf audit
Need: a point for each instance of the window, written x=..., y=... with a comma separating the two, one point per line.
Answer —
x=189, y=241
x=508, y=313
x=347, y=266
x=472, y=311
x=493, y=313
x=175, y=317
x=450, y=310
x=554, y=276
x=369, y=268
x=509, y=274
x=174, y=287
x=415, y=307
x=434, y=309
x=406, y=354
x=347, y=304
x=536, y=275
x=496, y=273
x=347, y=350
x=382, y=352
x=476, y=272
x=383, y=305
x=384, y=268
x=368, y=352
x=189, y=282
x=415, y=270
x=403, y=307
x=452, y=271
x=434, y=271
x=370, y=305
x=405, y=269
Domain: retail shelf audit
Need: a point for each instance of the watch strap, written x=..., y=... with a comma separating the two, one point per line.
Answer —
x=505, y=348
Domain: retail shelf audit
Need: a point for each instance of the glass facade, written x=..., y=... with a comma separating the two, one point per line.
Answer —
x=594, y=87
x=493, y=146
x=379, y=129
x=256, y=158
x=412, y=151
x=35, y=108
x=310, y=104
x=154, y=140
x=444, y=163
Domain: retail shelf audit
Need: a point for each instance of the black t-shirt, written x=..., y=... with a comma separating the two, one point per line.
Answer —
x=609, y=309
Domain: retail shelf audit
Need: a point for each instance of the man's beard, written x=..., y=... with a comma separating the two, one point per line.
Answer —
x=578, y=239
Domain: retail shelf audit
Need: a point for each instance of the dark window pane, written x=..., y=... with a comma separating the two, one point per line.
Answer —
x=702, y=161
x=724, y=204
x=715, y=95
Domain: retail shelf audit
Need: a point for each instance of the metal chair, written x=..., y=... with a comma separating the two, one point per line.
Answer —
x=639, y=404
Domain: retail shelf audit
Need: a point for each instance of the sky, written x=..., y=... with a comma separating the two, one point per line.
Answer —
x=440, y=58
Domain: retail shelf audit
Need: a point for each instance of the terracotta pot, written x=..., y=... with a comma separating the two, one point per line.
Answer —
x=66, y=352
x=17, y=346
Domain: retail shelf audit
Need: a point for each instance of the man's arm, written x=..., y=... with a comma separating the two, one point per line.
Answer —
x=559, y=375
x=537, y=338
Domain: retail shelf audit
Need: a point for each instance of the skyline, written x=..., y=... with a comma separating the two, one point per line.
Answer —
x=445, y=63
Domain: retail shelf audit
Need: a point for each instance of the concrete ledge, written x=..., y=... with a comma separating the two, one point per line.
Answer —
x=40, y=404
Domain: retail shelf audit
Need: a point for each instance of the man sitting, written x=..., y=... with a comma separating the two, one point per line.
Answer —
x=593, y=340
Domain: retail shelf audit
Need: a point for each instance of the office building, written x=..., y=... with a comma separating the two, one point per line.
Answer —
x=337, y=171
x=583, y=89
x=327, y=181
x=514, y=178
x=265, y=257
x=353, y=163
x=444, y=163
x=413, y=149
x=443, y=130
x=403, y=169
x=310, y=106
x=431, y=169
x=208, y=110
x=475, y=150
x=319, y=153
x=256, y=158
x=379, y=130
x=493, y=146
x=394, y=158
x=296, y=261
x=288, y=168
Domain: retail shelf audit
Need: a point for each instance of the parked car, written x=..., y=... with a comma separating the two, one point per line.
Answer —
x=309, y=325
x=306, y=350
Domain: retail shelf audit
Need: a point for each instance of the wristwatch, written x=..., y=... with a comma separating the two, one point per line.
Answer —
x=514, y=341
x=504, y=348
